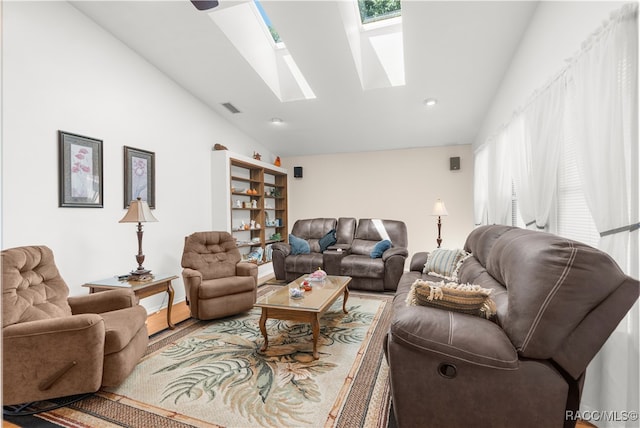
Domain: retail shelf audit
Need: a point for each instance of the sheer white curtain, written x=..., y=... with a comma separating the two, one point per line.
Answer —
x=603, y=96
x=536, y=137
x=499, y=180
x=480, y=185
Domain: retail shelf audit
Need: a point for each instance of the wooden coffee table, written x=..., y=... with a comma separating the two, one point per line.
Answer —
x=309, y=308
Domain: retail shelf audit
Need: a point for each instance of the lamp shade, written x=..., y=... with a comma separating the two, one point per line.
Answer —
x=139, y=212
x=439, y=208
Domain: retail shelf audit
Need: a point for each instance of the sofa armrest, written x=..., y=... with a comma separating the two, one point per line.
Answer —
x=282, y=247
x=453, y=336
x=332, y=260
x=344, y=247
x=395, y=251
x=103, y=301
x=52, y=358
x=192, y=280
x=280, y=251
x=418, y=261
x=247, y=269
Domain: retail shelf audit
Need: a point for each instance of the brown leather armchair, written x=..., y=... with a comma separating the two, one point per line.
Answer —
x=55, y=345
x=217, y=282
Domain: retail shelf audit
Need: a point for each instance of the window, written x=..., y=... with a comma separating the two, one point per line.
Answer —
x=574, y=218
x=377, y=10
x=274, y=34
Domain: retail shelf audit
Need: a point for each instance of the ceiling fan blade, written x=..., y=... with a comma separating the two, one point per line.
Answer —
x=204, y=4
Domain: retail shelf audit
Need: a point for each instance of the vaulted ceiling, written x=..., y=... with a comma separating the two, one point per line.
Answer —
x=454, y=51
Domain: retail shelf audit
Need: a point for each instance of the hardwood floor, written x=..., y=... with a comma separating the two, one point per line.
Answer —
x=158, y=321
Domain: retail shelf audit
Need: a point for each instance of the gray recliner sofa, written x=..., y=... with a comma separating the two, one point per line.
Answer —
x=557, y=303
x=349, y=255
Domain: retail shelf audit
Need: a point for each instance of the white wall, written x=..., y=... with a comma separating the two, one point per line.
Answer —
x=396, y=184
x=555, y=34
x=63, y=72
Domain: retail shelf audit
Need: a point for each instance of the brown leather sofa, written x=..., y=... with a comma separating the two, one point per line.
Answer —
x=349, y=255
x=557, y=303
x=55, y=345
x=217, y=283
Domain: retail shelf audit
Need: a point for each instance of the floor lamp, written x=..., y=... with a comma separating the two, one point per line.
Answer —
x=139, y=212
x=440, y=210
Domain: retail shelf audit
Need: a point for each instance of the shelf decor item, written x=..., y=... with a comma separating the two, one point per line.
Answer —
x=139, y=176
x=249, y=196
x=80, y=171
x=139, y=212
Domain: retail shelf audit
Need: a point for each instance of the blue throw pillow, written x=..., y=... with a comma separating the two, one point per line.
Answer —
x=298, y=245
x=380, y=248
x=327, y=240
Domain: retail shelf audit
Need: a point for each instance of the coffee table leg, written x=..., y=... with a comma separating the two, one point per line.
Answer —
x=344, y=300
x=170, y=292
x=315, y=327
x=263, y=329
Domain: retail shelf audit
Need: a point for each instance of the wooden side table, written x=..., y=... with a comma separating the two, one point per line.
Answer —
x=159, y=283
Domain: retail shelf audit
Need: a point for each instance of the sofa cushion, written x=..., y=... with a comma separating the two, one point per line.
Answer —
x=303, y=263
x=298, y=245
x=445, y=263
x=466, y=298
x=449, y=334
x=362, y=266
x=327, y=240
x=121, y=326
x=230, y=285
x=380, y=248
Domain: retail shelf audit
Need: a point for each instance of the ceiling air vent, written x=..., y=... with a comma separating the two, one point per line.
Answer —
x=231, y=108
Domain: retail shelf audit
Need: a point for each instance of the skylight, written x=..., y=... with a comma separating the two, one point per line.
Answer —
x=374, y=31
x=274, y=34
x=250, y=30
x=377, y=10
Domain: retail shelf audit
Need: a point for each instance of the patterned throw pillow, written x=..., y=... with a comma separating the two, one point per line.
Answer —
x=298, y=245
x=466, y=298
x=445, y=263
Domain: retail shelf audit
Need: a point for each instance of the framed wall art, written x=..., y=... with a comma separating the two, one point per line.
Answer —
x=139, y=176
x=80, y=171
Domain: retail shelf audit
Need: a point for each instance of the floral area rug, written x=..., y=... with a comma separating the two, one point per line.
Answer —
x=212, y=373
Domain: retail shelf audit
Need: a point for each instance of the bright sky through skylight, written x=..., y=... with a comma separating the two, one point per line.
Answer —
x=267, y=22
x=376, y=10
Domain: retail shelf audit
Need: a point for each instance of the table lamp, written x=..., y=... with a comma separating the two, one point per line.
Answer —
x=440, y=210
x=139, y=212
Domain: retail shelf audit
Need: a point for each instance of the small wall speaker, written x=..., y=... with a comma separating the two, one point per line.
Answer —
x=454, y=163
x=297, y=171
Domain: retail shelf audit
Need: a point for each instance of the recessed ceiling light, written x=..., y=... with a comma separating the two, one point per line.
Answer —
x=429, y=102
x=276, y=121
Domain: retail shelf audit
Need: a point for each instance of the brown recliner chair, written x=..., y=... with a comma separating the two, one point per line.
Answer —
x=55, y=345
x=217, y=282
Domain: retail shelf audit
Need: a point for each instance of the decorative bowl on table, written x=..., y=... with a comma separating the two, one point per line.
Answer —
x=318, y=275
x=296, y=293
